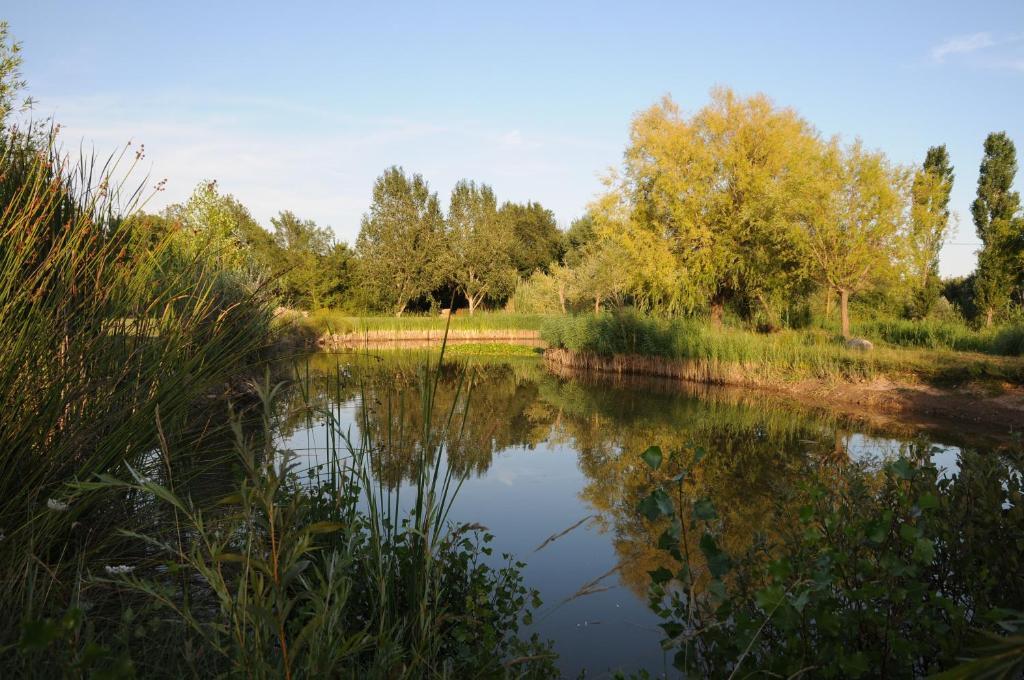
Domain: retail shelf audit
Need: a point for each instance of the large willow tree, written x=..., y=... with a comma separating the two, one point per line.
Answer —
x=712, y=206
x=856, y=225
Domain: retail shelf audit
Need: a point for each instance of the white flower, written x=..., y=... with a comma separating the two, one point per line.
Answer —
x=56, y=505
x=119, y=570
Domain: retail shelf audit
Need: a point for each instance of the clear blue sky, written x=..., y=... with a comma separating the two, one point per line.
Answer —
x=301, y=105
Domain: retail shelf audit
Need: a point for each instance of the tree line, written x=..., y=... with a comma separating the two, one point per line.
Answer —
x=742, y=207
x=409, y=255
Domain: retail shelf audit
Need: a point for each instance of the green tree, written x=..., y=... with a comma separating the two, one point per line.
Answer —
x=220, y=224
x=400, y=241
x=929, y=227
x=599, y=276
x=479, y=245
x=11, y=82
x=995, y=219
x=725, y=192
x=852, y=236
x=537, y=241
x=303, y=247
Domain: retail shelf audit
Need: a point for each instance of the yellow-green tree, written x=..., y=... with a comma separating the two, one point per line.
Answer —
x=725, y=192
x=856, y=223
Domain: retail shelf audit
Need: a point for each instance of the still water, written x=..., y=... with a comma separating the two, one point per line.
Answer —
x=554, y=457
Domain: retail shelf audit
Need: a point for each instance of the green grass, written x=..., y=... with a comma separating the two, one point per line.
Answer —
x=331, y=321
x=740, y=355
x=1006, y=340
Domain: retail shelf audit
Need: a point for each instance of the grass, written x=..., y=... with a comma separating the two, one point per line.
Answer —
x=696, y=350
x=80, y=392
x=1006, y=340
x=331, y=321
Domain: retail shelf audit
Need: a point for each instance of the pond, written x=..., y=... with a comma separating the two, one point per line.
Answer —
x=552, y=468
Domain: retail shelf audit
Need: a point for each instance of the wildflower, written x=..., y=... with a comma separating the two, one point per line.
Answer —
x=118, y=570
x=56, y=505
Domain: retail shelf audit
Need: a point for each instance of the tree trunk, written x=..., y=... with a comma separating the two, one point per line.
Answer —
x=561, y=295
x=472, y=304
x=401, y=308
x=988, y=317
x=844, y=312
x=597, y=305
x=828, y=304
x=717, y=310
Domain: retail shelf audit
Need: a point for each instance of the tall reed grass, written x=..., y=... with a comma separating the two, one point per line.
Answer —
x=109, y=335
x=694, y=349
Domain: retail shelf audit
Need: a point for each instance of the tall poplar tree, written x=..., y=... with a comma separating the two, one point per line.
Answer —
x=929, y=227
x=400, y=240
x=998, y=226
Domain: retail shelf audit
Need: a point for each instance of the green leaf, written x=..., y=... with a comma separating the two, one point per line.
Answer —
x=704, y=509
x=903, y=469
x=801, y=600
x=928, y=501
x=37, y=635
x=854, y=665
x=656, y=505
x=652, y=457
x=660, y=575
x=719, y=563
x=768, y=599
x=909, y=532
x=924, y=550
x=670, y=537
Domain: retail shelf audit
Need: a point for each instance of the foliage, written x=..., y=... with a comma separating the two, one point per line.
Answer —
x=852, y=238
x=478, y=245
x=733, y=355
x=11, y=82
x=112, y=333
x=929, y=228
x=998, y=226
x=220, y=224
x=400, y=241
x=537, y=241
x=316, y=271
x=877, y=578
x=710, y=207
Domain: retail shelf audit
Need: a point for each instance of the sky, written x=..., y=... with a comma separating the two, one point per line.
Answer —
x=300, y=106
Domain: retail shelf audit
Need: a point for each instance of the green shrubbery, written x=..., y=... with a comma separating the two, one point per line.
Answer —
x=905, y=347
x=887, y=573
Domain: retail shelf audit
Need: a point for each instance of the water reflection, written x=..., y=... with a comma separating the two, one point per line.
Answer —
x=546, y=453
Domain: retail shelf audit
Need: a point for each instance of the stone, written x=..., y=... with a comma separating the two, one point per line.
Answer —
x=859, y=343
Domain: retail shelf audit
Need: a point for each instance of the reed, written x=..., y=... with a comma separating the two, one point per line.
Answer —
x=692, y=349
x=109, y=334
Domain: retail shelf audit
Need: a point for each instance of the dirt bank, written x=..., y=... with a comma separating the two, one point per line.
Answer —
x=995, y=408
x=422, y=338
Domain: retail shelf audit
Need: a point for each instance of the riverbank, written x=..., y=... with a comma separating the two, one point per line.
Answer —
x=980, y=403
x=397, y=339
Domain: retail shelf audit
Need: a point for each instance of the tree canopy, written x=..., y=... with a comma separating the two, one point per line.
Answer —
x=400, y=241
